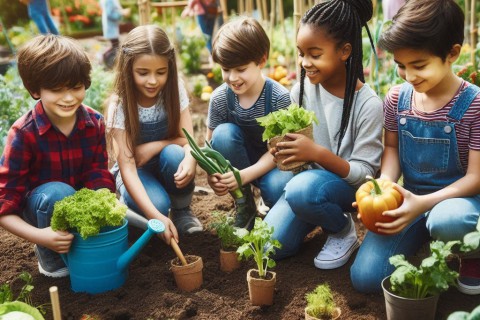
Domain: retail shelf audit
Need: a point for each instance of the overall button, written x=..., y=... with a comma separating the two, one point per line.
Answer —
x=447, y=129
x=403, y=121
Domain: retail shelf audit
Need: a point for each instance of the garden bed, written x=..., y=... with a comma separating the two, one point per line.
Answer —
x=150, y=291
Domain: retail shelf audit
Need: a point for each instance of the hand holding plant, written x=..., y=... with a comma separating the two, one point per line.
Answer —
x=87, y=211
x=213, y=162
x=259, y=245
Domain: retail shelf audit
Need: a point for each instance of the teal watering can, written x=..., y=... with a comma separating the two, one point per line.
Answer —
x=100, y=263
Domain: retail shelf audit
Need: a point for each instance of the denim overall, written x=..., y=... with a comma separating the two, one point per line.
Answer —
x=429, y=160
x=428, y=150
x=252, y=131
x=157, y=174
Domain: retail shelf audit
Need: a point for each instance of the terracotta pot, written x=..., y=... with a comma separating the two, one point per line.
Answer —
x=190, y=276
x=229, y=261
x=400, y=308
x=293, y=166
x=261, y=290
x=336, y=315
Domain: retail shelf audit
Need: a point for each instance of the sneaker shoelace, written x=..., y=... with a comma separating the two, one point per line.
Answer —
x=336, y=244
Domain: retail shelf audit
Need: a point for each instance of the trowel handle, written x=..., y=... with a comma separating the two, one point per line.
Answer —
x=178, y=252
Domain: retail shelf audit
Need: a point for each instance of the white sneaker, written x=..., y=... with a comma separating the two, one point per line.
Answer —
x=337, y=250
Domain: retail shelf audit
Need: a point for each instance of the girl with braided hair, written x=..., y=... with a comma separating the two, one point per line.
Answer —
x=346, y=143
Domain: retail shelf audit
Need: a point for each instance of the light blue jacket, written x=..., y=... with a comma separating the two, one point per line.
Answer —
x=111, y=16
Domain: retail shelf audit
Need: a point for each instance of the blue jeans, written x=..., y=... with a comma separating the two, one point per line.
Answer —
x=449, y=220
x=228, y=139
x=39, y=210
x=312, y=198
x=207, y=26
x=38, y=12
x=157, y=179
x=39, y=203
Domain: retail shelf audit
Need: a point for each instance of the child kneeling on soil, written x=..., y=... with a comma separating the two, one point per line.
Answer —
x=154, y=171
x=53, y=150
x=346, y=143
x=432, y=138
x=241, y=48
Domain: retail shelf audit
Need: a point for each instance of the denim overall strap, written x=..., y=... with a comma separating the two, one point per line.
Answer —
x=252, y=131
x=464, y=101
x=428, y=150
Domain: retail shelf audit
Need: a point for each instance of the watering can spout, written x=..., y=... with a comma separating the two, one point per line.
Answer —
x=154, y=226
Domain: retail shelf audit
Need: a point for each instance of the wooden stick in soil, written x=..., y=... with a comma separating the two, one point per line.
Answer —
x=178, y=252
x=57, y=315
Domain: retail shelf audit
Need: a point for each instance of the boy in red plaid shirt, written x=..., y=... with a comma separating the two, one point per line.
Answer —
x=53, y=150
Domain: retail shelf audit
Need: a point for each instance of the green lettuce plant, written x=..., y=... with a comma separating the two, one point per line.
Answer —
x=88, y=211
x=283, y=121
x=258, y=243
x=432, y=277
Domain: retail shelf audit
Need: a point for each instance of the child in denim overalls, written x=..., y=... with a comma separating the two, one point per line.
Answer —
x=241, y=48
x=432, y=138
x=155, y=170
x=346, y=143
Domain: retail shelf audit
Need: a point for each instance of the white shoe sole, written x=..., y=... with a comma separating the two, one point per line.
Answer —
x=466, y=289
x=60, y=273
x=337, y=263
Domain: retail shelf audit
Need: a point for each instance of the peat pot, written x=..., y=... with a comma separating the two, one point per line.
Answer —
x=336, y=315
x=100, y=263
x=296, y=165
x=229, y=261
x=190, y=276
x=400, y=308
x=261, y=290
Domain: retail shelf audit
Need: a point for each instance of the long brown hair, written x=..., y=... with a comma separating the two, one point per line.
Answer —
x=150, y=40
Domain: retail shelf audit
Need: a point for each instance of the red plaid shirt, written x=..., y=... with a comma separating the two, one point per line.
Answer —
x=37, y=153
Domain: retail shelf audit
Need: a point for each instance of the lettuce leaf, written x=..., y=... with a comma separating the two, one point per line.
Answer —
x=88, y=211
x=17, y=310
x=283, y=121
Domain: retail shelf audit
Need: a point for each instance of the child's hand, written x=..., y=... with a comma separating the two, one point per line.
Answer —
x=170, y=233
x=58, y=241
x=298, y=148
x=219, y=188
x=228, y=179
x=273, y=151
x=185, y=173
x=413, y=205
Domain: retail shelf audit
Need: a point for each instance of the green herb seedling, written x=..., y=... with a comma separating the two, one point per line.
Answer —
x=259, y=245
x=431, y=278
x=283, y=121
x=223, y=226
x=320, y=303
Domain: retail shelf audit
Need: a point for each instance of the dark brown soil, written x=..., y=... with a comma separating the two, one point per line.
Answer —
x=151, y=293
